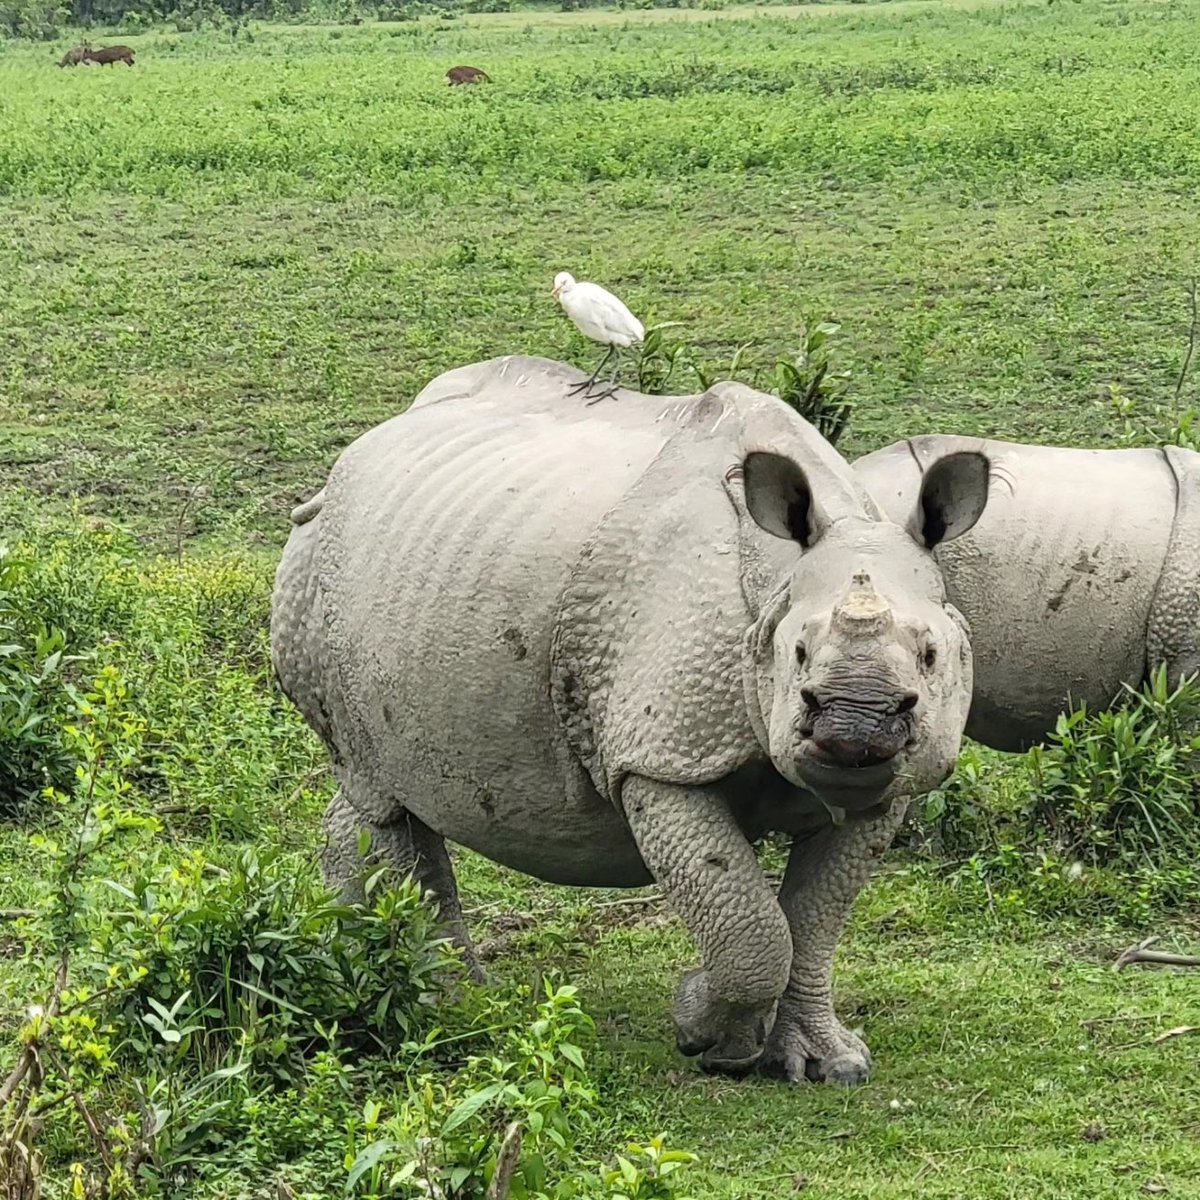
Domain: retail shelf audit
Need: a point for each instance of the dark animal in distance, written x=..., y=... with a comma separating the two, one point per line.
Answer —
x=458, y=75
x=109, y=54
x=73, y=58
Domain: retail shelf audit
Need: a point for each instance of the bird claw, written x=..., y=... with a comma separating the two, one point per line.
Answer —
x=608, y=394
x=585, y=386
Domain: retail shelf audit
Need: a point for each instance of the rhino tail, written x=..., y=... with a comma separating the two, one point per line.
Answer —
x=303, y=513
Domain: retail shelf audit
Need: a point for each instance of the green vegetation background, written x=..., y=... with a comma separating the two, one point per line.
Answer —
x=219, y=267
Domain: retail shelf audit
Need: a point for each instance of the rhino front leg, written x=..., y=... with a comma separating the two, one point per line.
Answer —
x=825, y=873
x=403, y=842
x=692, y=846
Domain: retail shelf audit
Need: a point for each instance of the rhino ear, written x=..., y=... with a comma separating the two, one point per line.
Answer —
x=954, y=493
x=778, y=497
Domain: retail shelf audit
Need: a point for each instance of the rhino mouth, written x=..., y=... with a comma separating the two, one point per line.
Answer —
x=848, y=787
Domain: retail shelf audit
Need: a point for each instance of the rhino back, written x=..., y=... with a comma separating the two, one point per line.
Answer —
x=1057, y=577
x=447, y=535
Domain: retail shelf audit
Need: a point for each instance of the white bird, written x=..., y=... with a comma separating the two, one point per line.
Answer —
x=598, y=315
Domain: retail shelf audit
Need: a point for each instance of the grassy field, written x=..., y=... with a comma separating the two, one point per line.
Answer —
x=216, y=269
x=220, y=266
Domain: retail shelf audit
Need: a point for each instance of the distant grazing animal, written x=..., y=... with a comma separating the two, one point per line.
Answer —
x=598, y=315
x=109, y=54
x=458, y=75
x=73, y=58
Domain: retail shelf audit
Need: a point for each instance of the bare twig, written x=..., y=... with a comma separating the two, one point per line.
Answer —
x=1191, y=350
x=1178, y=1031
x=630, y=901
x=1140, y=952
x=16, y=914
x=929, y=1162
x=506, y=1163
x=1091, y=1022
x=93, y=1126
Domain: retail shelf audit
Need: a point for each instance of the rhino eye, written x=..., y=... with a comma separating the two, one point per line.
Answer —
x=929, y=658
x=801, y=655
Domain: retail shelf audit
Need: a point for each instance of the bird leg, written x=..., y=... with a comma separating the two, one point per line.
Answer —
x=610, y=388
x=587, y=384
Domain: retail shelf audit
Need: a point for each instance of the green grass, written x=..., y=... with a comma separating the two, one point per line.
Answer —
x=218, y=268
x=982, y=1046
x=977, y=1031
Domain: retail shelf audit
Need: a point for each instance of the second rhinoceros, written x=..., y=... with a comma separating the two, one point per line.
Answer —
x=1082, y=576
x=612, y=644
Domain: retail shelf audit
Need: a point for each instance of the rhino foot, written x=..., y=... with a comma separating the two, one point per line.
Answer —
x=823, y=1053
x=729, y=1038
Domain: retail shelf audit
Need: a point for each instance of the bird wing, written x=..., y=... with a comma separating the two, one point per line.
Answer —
x=603, y=317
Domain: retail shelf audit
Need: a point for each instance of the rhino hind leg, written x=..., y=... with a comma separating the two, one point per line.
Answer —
x=1173, y=628
x=404, y=842
x=825, y=873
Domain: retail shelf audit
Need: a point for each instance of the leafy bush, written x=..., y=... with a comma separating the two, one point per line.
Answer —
x=1119, y=786
x=1103, y=819
x=510, y=1122
x=188, y=986
x=648, y=1172
x=83, y=581
x=448, y=1132
x=207, y=986
x=35, y=697
x=658, y=359
x=222, y=750
x=806, y=383
x=258, y=959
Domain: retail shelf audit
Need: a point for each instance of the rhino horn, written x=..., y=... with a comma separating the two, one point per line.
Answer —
x=862, y=611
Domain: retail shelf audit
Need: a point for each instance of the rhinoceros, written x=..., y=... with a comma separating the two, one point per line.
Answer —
x=610, y=645
x=1082, y=576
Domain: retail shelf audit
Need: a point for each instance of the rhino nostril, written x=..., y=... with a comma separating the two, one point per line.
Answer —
x=810, y=699
x=908, y=702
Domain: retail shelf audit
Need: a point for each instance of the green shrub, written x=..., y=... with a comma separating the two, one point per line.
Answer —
x=223, y=750
x=524, y=1110
x=257, y=959
x=185, y=986
x=1119, y=786
x=648, y=1172
x=83, y=581
x=446, y=1135
x=1103, y=819
x=35, y=697
x=806, y=382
